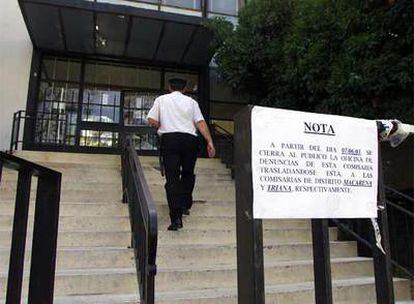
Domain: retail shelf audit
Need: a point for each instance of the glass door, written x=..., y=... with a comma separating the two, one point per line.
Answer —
x=101, y=109
x=136, y=106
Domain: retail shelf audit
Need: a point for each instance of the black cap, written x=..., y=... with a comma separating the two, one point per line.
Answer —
x=177, y=82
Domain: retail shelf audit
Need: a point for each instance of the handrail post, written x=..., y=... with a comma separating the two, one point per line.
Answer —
x=16, y=264
x=42, y=271
x=12, y=132
x=250, y=265
x=19, y=117
x=382, y=262
x=321, y=261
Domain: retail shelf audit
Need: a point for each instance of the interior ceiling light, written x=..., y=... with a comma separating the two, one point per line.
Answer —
x=100, y=41
x=97, y=27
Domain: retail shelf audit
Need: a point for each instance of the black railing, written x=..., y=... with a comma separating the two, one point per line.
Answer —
x=223, y=141
x=49, y=128
x=143, y=217
x=45, y=230
x=400, y=213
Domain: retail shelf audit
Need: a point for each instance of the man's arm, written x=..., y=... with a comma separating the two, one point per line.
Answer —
x=153, y=123
x=203, y=128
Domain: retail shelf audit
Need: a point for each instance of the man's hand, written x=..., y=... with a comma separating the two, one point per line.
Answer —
x=211, y=150
x=153, y=123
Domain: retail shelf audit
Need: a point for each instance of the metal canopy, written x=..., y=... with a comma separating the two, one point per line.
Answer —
x=95, y=28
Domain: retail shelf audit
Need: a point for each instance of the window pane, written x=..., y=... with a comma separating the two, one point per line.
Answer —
x=192, y=4
x=56, y=91
x=93, y=138
x=223, y=6
x=122, y=76
x=136, y=108
x=144, y=141
x=61, y=69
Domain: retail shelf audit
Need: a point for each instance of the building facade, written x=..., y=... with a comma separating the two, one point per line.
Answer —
x=84, y=73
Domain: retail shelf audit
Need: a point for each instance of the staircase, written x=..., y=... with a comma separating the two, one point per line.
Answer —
x=196, y=264
x=94, y=263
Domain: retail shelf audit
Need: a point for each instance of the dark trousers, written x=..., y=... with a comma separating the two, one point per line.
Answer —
x=179, y=153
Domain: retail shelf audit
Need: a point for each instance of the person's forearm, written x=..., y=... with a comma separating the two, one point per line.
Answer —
x=203, y=128
x=153, y=123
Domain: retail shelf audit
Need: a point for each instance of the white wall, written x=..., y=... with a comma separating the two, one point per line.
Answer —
x=15, y=60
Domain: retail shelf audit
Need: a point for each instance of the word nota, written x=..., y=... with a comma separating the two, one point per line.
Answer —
x=319, y=128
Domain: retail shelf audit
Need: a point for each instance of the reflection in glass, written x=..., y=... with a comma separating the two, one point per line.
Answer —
x=57, y=112
x=105, y=74
x=136, y=108
x=61, y=69
x=229, y=7
x=191, y=4
x=94, y=138
x=147, y=141
x=101, y=105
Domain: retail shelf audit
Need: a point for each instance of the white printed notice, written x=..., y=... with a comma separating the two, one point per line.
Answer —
x=308, y=165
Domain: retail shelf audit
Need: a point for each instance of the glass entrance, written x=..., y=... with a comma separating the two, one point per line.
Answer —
x=88, y=104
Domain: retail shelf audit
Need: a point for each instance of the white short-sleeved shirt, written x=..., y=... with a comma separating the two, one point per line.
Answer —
x=176, y=112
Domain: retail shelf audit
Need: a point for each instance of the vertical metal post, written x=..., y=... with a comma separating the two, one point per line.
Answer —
x=16, y=264
x=12, y=133
x=43, y=263
x=382, y=263
x=1, y=171
x=321, y=261
x=204, y=8
x=250, y=270
x=19, y=117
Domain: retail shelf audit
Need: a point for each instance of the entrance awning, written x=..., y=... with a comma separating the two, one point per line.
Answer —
x=95, y=28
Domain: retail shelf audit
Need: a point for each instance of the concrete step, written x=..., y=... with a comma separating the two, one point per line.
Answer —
x=80, y=239
x=201, y=208
x=220, y=236
x=79, y=176
x=67, y=185
x=349, y=291
x=217, y=193
x=74, y=209
x=287, y=272
x=76, y=158
x=79, y=223
x=98, y=299
x=154, y=176
x=90, y=281
x=201, y=162
x=228, y=222
x=206, y=254
x=81, y=258
x=109, y=195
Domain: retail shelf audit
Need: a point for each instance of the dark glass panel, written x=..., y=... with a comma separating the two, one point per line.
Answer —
x=61, y=69
x=224, y=111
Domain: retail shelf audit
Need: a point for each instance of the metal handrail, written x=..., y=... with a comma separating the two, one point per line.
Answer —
x=358, y=234
x=143, y=219
x=29, y=119
x=45, y=230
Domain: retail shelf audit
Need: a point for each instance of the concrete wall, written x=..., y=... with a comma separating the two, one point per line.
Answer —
x=15, y=60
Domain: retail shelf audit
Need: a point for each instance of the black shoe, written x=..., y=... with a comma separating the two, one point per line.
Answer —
x=174, y=226
x=186, y=212
x=180, y=223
